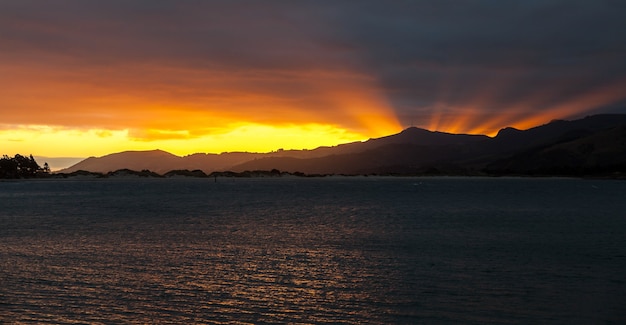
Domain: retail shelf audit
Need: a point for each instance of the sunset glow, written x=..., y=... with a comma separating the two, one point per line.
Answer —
x=50, y=141
x=204, y=112
x=94, y=78
x=476, y=118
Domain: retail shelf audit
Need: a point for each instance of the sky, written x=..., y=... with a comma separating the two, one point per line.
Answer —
x=88, y=78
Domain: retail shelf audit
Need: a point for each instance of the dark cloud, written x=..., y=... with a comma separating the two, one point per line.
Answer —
x=465, y=48
x=422, y=54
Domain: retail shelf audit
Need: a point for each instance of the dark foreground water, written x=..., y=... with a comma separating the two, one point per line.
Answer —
x=330, y=250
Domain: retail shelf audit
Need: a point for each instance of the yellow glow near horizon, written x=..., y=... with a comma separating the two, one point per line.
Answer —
x=53, y=112
x=62, y=142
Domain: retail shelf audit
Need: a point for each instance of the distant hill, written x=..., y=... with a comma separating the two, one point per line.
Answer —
x=595, y=144
x=57, y=163
x=576, y=153
x=155, y=160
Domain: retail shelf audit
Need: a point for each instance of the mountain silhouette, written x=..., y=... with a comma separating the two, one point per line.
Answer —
x=595, y=144
x=579, y=152
x=154, y=160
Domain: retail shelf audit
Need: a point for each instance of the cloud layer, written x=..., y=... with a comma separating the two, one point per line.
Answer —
x=194, y=67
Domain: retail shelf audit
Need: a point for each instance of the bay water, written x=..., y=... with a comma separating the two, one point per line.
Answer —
x=346, y=250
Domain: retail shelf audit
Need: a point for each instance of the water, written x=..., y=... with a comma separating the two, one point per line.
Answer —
x=330, y=250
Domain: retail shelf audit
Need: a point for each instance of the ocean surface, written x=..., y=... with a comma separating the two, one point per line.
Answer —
x=342, y=250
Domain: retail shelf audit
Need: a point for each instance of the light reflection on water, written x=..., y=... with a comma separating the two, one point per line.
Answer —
x=333, y=250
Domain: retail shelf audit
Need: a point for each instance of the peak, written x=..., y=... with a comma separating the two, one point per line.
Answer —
x=413, y=129
x=135, y=153
x=155, y=151
x=508, y=131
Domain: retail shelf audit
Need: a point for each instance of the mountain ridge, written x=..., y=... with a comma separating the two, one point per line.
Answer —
x=412, y=151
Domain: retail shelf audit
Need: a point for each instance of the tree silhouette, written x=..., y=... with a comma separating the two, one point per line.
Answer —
x=21, y=167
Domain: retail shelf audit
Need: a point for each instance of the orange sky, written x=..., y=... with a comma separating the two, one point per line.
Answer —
x=92, y=78
x=95, y=110
x=99, y=110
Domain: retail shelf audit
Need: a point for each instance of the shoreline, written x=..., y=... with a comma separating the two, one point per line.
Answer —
x=274, y=174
